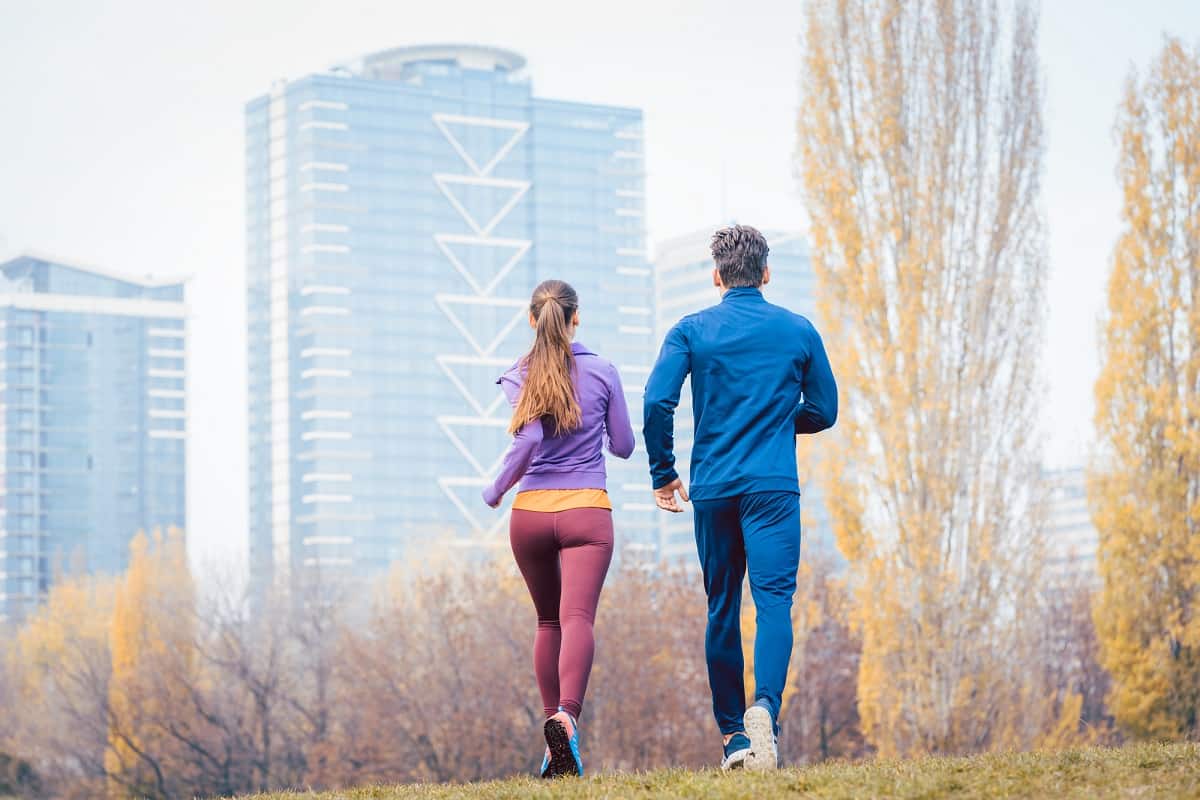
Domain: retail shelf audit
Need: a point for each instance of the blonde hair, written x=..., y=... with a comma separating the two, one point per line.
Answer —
x=549, y=388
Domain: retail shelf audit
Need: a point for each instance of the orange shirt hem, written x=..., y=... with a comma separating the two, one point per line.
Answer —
x=551, y=500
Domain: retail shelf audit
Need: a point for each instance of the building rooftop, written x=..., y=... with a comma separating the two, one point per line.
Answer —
x=396, y=63
x=30, y=258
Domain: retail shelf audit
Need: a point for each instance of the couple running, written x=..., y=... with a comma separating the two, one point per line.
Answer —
x=759, y=377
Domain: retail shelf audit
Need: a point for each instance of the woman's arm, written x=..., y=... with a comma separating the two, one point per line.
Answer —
x=520, y=453
x=616, y=421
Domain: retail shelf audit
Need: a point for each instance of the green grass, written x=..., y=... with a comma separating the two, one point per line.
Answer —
x=1142, y=771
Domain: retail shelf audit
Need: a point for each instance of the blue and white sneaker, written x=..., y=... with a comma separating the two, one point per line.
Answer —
x=736, y=751
x=564, y=747
x=545, y=763
x=760, y=728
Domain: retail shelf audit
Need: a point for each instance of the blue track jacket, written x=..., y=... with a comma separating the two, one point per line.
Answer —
x=759, y=377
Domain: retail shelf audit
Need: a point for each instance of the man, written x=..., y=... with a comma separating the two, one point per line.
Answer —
x=759, y=377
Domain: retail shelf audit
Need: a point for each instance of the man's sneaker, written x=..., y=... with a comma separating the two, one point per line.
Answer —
x=736, y=750
x=760, y=728
x=564, y=746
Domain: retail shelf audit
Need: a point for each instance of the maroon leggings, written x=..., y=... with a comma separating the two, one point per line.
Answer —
x=563, y=556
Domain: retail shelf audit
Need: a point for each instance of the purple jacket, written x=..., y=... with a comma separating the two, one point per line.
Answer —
x=541, y=460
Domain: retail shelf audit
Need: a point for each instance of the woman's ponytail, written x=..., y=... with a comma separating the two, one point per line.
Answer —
x=549, y=388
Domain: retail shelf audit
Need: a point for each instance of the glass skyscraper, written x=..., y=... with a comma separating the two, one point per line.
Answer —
x=94, y=420
x=683, y=280
x=400, y=211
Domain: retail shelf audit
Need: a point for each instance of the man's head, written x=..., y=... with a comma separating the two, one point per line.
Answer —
x=740, y=255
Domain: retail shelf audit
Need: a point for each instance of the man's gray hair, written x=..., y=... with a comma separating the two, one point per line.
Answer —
x=740, y=253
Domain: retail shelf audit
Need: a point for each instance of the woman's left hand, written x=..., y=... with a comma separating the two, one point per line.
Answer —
x=492, y=501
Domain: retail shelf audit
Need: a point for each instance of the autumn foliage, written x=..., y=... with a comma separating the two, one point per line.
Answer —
x=920, y=152
x=140, y=686
x=1145, y=487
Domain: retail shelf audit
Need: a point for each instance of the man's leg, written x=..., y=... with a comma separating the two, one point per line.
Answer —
x=723, y=562
x=771, y=530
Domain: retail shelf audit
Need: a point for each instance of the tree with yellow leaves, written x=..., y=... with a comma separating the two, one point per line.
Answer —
x=59, y=666
x=920, y=155
x=153, y=650
x=1145, y=485
x=822, y=718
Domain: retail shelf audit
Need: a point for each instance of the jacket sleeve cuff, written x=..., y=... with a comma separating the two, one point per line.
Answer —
x=664, y=478
x=490, y=497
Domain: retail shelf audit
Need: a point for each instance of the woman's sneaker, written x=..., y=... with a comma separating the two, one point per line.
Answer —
x=545, y=763
x=736, y=750
x=760, y=728
x=562, y=738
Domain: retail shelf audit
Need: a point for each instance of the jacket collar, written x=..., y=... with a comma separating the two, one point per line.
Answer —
x=742, y=291
x=580, y=349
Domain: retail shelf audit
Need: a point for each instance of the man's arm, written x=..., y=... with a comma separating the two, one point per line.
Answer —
x=819, y=409
x=661, y=398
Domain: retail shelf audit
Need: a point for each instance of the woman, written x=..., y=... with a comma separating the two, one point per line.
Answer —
x=566, y=401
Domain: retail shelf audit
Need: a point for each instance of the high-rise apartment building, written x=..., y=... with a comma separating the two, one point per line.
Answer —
x=683, y=279
x=1071, y=539
x=400, y=211
x=94, y=420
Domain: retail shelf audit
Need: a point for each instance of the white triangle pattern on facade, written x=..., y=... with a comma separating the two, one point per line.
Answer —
x=519, y=247
x=481, y=227
x=447, y=302
x=463, y=191
x=449, y=426
x=444, y=121
x=484, y=407
x=472, y=508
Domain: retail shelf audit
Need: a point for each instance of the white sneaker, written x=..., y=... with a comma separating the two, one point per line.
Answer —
x=760, y=728
x=736, y=751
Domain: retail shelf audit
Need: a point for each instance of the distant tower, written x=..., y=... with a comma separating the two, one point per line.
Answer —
x=94, y=412
x=1071, y=539
x=400, y=211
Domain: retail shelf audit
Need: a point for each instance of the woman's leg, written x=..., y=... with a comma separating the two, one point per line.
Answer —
x=531, y=534
x=586, y=538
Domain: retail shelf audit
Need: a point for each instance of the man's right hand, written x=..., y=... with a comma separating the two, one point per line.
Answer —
x=664, y=497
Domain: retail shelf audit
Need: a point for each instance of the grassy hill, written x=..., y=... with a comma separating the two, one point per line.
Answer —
x=1143, y=771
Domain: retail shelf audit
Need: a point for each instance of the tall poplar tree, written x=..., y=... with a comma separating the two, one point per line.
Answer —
x=920, y=154
x=1145, y=486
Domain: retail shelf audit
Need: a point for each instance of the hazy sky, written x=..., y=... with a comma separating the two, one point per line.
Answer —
x=121, y=145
